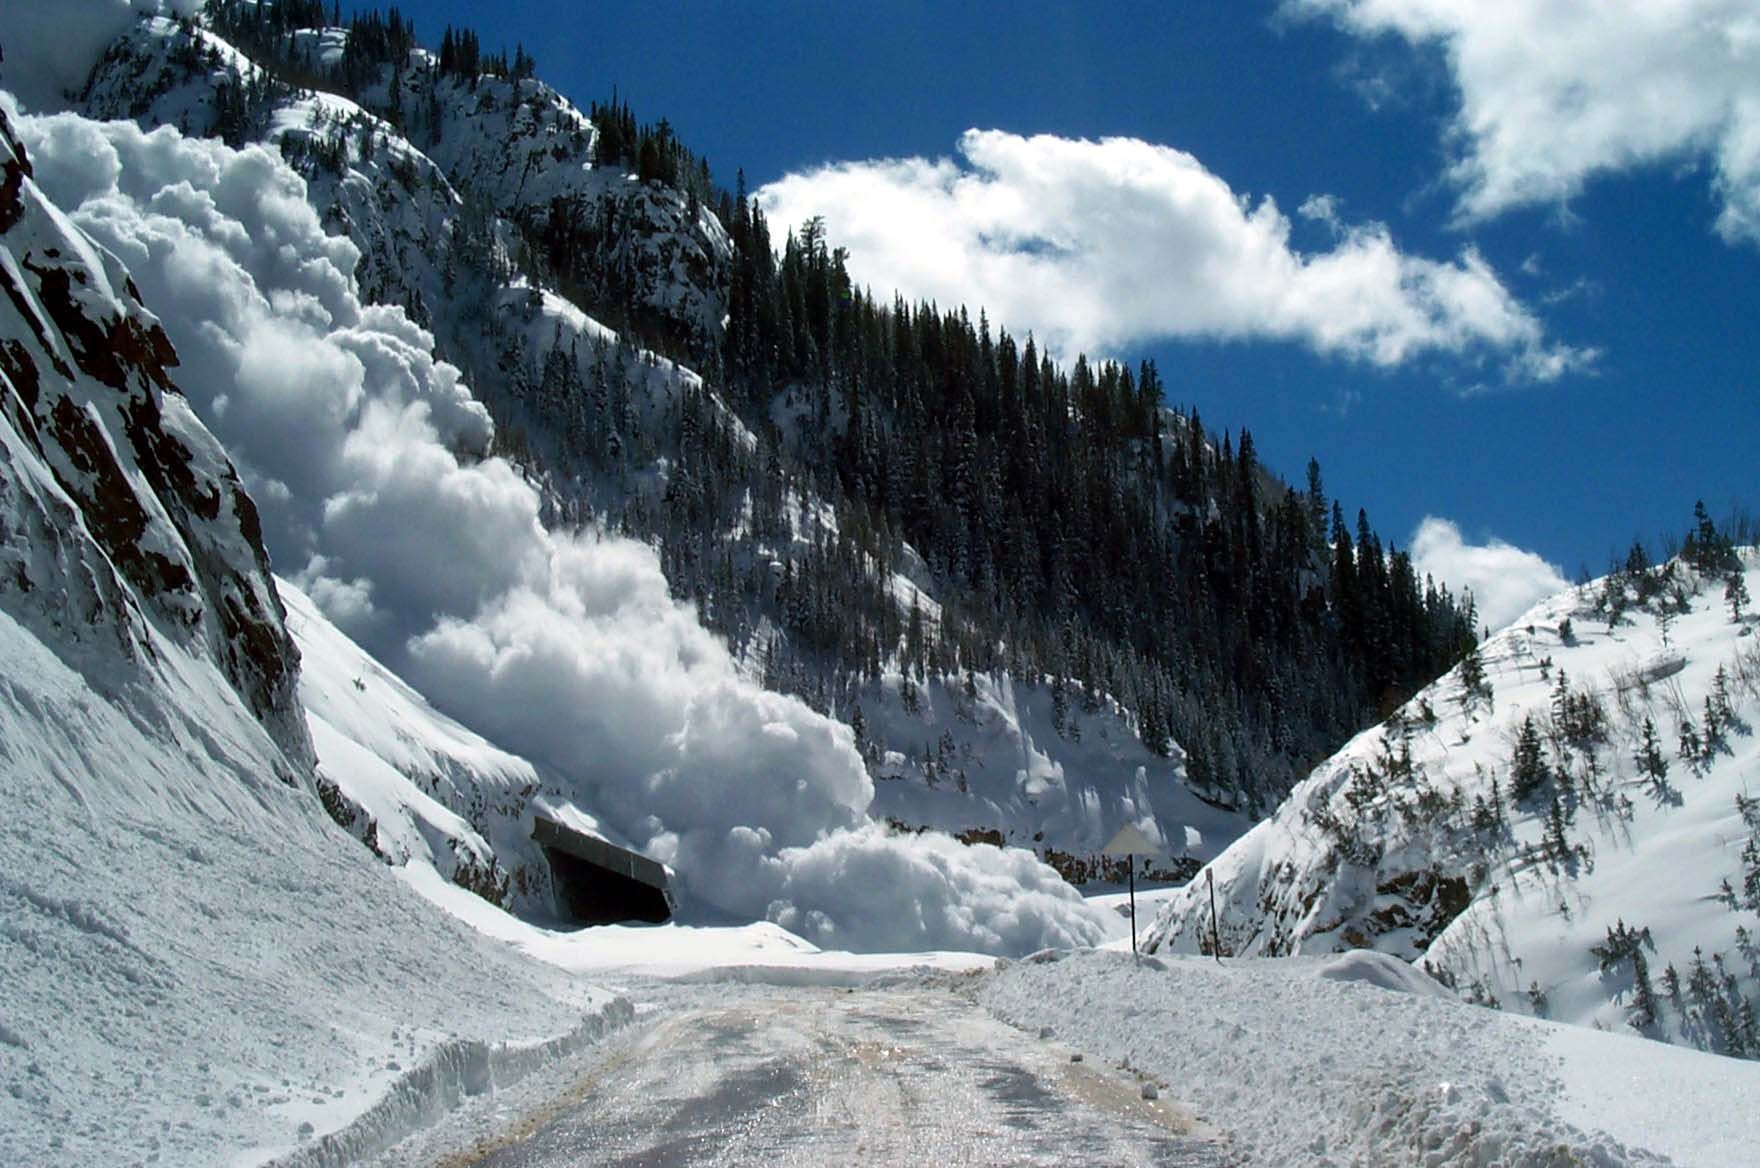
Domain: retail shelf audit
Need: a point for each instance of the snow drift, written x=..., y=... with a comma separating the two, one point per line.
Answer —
x=1291, y=1063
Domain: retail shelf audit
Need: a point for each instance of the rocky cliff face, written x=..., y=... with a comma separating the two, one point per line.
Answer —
x=435, y=175
x=118, y=509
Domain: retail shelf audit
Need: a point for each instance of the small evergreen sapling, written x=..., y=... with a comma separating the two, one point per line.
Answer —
x=1671, y=985
x=1691, y=748
x=1650, y=760
x=1475, y=687
x=1558, y=844
x=1528, y=770
x=1644, y=1005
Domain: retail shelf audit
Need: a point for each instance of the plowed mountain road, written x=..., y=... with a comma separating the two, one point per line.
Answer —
x=797, y=1076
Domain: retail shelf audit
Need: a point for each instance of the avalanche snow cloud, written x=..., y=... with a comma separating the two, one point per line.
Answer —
x=1098, y=245
x=1554, y=92
x=368, y=459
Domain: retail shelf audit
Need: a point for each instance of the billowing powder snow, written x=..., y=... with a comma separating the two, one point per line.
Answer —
x=368, y=459
x=51, y=48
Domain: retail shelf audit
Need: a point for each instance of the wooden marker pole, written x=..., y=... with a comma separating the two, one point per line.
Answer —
x=1128, y=844
x=1215, y=933
x=1133, y=863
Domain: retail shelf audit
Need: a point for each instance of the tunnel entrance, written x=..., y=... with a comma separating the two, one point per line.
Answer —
x=599, y=883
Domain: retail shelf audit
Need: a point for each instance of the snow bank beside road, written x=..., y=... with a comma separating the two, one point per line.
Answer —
x=455, y=1071
x=194, y=964
x=1300, y=1068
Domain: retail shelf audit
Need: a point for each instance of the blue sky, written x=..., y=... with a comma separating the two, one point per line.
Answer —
x=1609, y=243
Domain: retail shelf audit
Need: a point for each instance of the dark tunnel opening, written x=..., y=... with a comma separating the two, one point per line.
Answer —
x=598, y=882
x=593, y=895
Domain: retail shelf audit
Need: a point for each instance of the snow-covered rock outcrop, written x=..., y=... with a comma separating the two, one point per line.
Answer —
x=119, y=508
x=498, y=148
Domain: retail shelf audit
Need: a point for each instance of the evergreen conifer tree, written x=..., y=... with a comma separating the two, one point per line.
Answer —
x=1558, y=844
x=1691, y=749
x=1528, y=771
x=1650, y=759
x=1475, y=688
x=1644, y=1005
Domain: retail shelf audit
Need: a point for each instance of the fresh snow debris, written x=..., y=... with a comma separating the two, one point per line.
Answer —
x=754, y=952
x=1116, y=905
x=1555, y=841
x=1294, y=1068
x=1380, y=969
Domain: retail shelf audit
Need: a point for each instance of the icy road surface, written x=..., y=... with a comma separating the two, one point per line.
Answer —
x=735, y=1075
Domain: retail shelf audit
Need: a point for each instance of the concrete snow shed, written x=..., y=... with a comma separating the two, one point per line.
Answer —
x=599, y=883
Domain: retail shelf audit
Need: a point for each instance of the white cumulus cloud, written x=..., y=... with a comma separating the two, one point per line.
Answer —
x=1504, y=579
x=365, y=455
x=1555, y=92
x=1095, y=246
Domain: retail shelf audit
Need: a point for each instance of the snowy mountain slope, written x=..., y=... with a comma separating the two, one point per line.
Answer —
x=1557, y=839
x=471, y=202
x=392, y=172
x=391, y=768
x=586, y=390
x=1033, y=767
x=565, y=647
x=195, y=965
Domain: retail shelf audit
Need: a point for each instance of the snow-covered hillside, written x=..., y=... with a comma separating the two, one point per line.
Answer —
x=1036, y=766
x=1566, y=825
x=441, y=191
x=508, y=148
x=378, y=500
